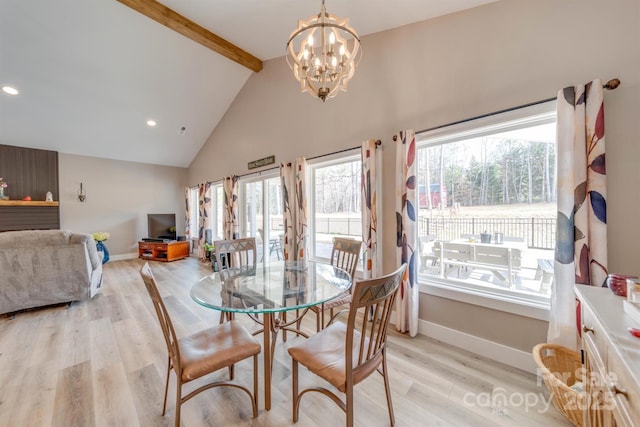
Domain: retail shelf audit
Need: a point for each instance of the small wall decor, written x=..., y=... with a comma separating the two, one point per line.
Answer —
x=261, y=162
x=82, y=196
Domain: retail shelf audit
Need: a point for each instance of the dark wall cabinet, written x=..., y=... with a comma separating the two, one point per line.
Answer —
x=29, y=172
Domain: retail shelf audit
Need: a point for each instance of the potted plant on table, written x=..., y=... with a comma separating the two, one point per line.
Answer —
x=100, y=237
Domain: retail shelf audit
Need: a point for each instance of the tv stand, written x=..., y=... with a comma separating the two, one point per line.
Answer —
x=163, y=251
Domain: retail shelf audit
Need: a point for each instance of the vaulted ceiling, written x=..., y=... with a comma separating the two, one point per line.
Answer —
x=91, y=73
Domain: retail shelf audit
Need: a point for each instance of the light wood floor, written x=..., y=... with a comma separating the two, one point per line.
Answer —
x=102, y=363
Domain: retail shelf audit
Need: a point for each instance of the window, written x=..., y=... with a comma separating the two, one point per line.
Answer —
x=217, y=205
x=487, y=205
x=193, y=204
x=215, y=230
x=261, y=213
x=335, y=208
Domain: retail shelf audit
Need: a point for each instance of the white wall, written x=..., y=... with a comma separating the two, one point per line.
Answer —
x=119, y=196
x=435, y=72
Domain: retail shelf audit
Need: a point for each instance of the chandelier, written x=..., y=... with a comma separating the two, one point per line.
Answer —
x=323, y=53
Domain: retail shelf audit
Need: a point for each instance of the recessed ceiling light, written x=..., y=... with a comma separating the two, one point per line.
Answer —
x=10, y=90
x=151, y=123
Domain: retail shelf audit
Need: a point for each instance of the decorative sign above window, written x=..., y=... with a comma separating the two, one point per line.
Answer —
x=261, y=162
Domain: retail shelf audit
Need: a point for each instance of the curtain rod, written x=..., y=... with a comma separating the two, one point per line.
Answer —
x=378, y=143
x=610, y=85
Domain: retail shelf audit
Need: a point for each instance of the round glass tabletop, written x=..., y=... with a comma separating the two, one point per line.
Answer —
x=279, y=286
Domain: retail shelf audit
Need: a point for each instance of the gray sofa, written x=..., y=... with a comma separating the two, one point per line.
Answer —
x=43, y=267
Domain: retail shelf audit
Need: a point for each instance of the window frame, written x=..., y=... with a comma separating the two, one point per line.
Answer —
x=326, y=161
x=195, y=213
x=266, y=217
x=213, y=189
x=534, y=306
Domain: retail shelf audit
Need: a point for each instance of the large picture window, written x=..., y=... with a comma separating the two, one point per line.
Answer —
x=335, y=208
x=487, y=204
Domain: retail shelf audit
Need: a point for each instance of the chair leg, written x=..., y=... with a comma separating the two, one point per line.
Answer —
x=349, y=408
x=387, y=389
x=255, y=386
x=294, y=389
x=317, y=321
x=231, y=372
x=166, y=386
x=284, y=331
x=178, y=399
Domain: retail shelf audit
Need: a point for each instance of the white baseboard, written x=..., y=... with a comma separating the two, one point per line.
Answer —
x=492, y=350
x=120, y=257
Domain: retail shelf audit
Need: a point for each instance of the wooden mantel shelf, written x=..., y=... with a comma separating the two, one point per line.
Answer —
x=26, y=203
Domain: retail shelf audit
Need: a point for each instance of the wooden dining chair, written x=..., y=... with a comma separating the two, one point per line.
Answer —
x=345, y=255
x=345, y=354
x=203, y=352
x=235, y=254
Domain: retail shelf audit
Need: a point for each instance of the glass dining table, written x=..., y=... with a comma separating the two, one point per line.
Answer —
x=271, y=291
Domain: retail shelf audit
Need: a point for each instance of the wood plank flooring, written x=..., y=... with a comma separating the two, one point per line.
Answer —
x=102, y=363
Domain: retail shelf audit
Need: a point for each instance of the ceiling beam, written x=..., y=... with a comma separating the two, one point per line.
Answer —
x=172, y=19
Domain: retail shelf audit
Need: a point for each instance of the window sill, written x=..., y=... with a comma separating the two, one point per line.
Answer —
x=535, y=309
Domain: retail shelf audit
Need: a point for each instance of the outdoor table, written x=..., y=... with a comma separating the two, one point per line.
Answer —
x=495, y=257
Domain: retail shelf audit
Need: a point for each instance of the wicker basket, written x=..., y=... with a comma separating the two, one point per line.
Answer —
x=558, y=364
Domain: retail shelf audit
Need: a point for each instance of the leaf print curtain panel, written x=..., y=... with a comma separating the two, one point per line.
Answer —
x=406, y=231
x=369, y=209
x=187, y=213
x=581, y=243
x=230, y=212
x=204, y=222
x=294, y=210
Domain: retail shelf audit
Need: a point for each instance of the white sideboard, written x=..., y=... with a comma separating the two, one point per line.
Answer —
x=612, y=359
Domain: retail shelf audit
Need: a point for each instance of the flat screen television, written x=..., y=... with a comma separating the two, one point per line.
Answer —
x=160, y=226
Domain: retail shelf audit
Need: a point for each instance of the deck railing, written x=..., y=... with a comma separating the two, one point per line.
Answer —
x=538, y=233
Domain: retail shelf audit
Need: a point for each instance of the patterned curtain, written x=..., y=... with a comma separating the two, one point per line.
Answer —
x=406, y=231
x=369, y=209
x=204, y=221
x=230, y=215
x=581, y=234
x=294, y=210
x=187, y=213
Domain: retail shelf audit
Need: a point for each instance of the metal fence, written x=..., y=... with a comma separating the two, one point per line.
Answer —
x=539, y=233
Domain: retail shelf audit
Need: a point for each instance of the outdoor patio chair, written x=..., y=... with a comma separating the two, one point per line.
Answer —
x=544, y=273
x=426, y=250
